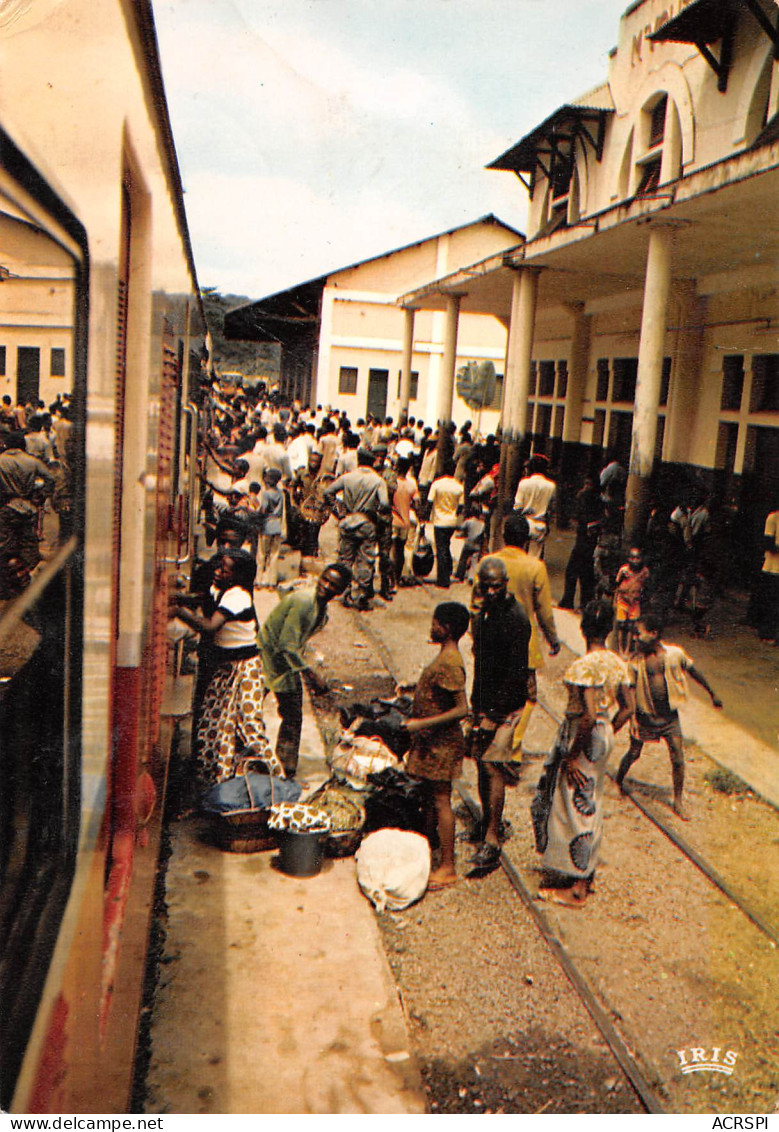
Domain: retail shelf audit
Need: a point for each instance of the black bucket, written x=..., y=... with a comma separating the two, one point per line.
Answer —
x=301, y=853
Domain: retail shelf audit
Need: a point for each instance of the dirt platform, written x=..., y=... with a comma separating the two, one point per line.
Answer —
x=495, y=1023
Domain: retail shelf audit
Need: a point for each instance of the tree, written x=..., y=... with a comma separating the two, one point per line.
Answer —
x=476, y=384
x=246, y=357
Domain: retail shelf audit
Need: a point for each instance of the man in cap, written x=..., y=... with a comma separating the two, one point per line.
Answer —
x=24, y=482
x=363, y=498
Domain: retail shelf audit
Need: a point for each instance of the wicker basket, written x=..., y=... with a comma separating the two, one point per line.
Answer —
x=244, y=831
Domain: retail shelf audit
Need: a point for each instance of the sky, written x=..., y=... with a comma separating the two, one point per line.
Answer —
x=314, y=134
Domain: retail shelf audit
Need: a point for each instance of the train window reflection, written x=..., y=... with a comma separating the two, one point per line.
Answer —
x=41, y=430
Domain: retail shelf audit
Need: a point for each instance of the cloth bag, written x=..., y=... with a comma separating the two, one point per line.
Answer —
x=393, y=868
x=249, y=790
x=357, y=756
x=541, y=806
x=423, y=558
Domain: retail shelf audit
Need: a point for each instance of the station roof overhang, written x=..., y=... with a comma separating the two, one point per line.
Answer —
x=290, y=317
x=706, y=22
x=723, y=219
x=553, y=139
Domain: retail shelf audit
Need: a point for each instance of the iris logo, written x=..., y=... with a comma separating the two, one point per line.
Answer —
x=698, y=1060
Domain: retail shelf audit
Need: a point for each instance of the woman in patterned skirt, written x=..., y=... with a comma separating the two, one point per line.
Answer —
x=231, y=721
x=568, y=808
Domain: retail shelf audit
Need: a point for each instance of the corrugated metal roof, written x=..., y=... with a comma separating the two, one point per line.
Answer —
x=298, y=305
x=521, y=158
x=706, y=21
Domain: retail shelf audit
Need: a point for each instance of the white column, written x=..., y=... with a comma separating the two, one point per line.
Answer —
x=577, y=374
x=516, y=385
x=683, y=397
x=519, y=353
x=446, y=382
x=651, y=350
x=324, y=394
x=435, y=349
x=406, y=364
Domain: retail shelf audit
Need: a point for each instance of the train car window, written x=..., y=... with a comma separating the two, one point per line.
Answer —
x=43, y=278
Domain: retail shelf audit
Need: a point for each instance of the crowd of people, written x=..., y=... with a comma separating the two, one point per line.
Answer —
x=35, y=484
x=283, y=471
x=278, y=473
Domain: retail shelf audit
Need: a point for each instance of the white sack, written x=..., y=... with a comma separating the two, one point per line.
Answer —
x=393, y=867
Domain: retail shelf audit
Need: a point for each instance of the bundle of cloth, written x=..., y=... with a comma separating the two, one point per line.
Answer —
x=380, y=719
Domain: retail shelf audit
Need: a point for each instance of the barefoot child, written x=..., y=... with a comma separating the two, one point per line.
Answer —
x=659, y=673
x=630, y=583
x=437, y=744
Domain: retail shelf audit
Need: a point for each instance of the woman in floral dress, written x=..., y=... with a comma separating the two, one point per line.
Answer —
x=568, y=808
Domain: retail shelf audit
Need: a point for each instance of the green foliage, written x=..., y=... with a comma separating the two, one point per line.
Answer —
x=476, y=384
x=246, y=357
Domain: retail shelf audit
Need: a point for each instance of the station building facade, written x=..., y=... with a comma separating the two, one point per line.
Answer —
x=362, y=330
x=36, y=355
x=642, y=308
x=343, y=336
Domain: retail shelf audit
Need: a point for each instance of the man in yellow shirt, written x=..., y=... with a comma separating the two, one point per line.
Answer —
x=444, y=503
x=529, y=583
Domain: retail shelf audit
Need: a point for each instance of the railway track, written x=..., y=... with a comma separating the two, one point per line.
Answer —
x=689, y=851
x=602, y=1012
x=681, y=843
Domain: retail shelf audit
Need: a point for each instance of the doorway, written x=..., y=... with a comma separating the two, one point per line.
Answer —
x=28, y=375
x=377, y=393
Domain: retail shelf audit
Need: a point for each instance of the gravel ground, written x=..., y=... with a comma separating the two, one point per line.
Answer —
x=495, y=1023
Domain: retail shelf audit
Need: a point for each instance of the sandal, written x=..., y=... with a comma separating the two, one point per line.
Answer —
x=554, y=896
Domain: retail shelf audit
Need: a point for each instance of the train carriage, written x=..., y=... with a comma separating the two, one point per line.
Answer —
x=100, y=318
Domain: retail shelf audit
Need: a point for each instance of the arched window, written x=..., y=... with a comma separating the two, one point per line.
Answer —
x=626, y=168
x=658, y=144
x=563, y=202
x=574, y=196
x=757, y=116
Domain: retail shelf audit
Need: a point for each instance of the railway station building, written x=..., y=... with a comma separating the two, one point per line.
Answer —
x=343, y=336
x=642, y=308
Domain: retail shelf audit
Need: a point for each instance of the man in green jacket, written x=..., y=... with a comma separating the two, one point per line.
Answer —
x=281, y=641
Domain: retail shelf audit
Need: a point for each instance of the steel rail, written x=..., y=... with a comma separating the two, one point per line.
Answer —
x=627, y=1062
x=625, y=1059
x=680, y=842
x=643, y=1088
x=691, y=853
